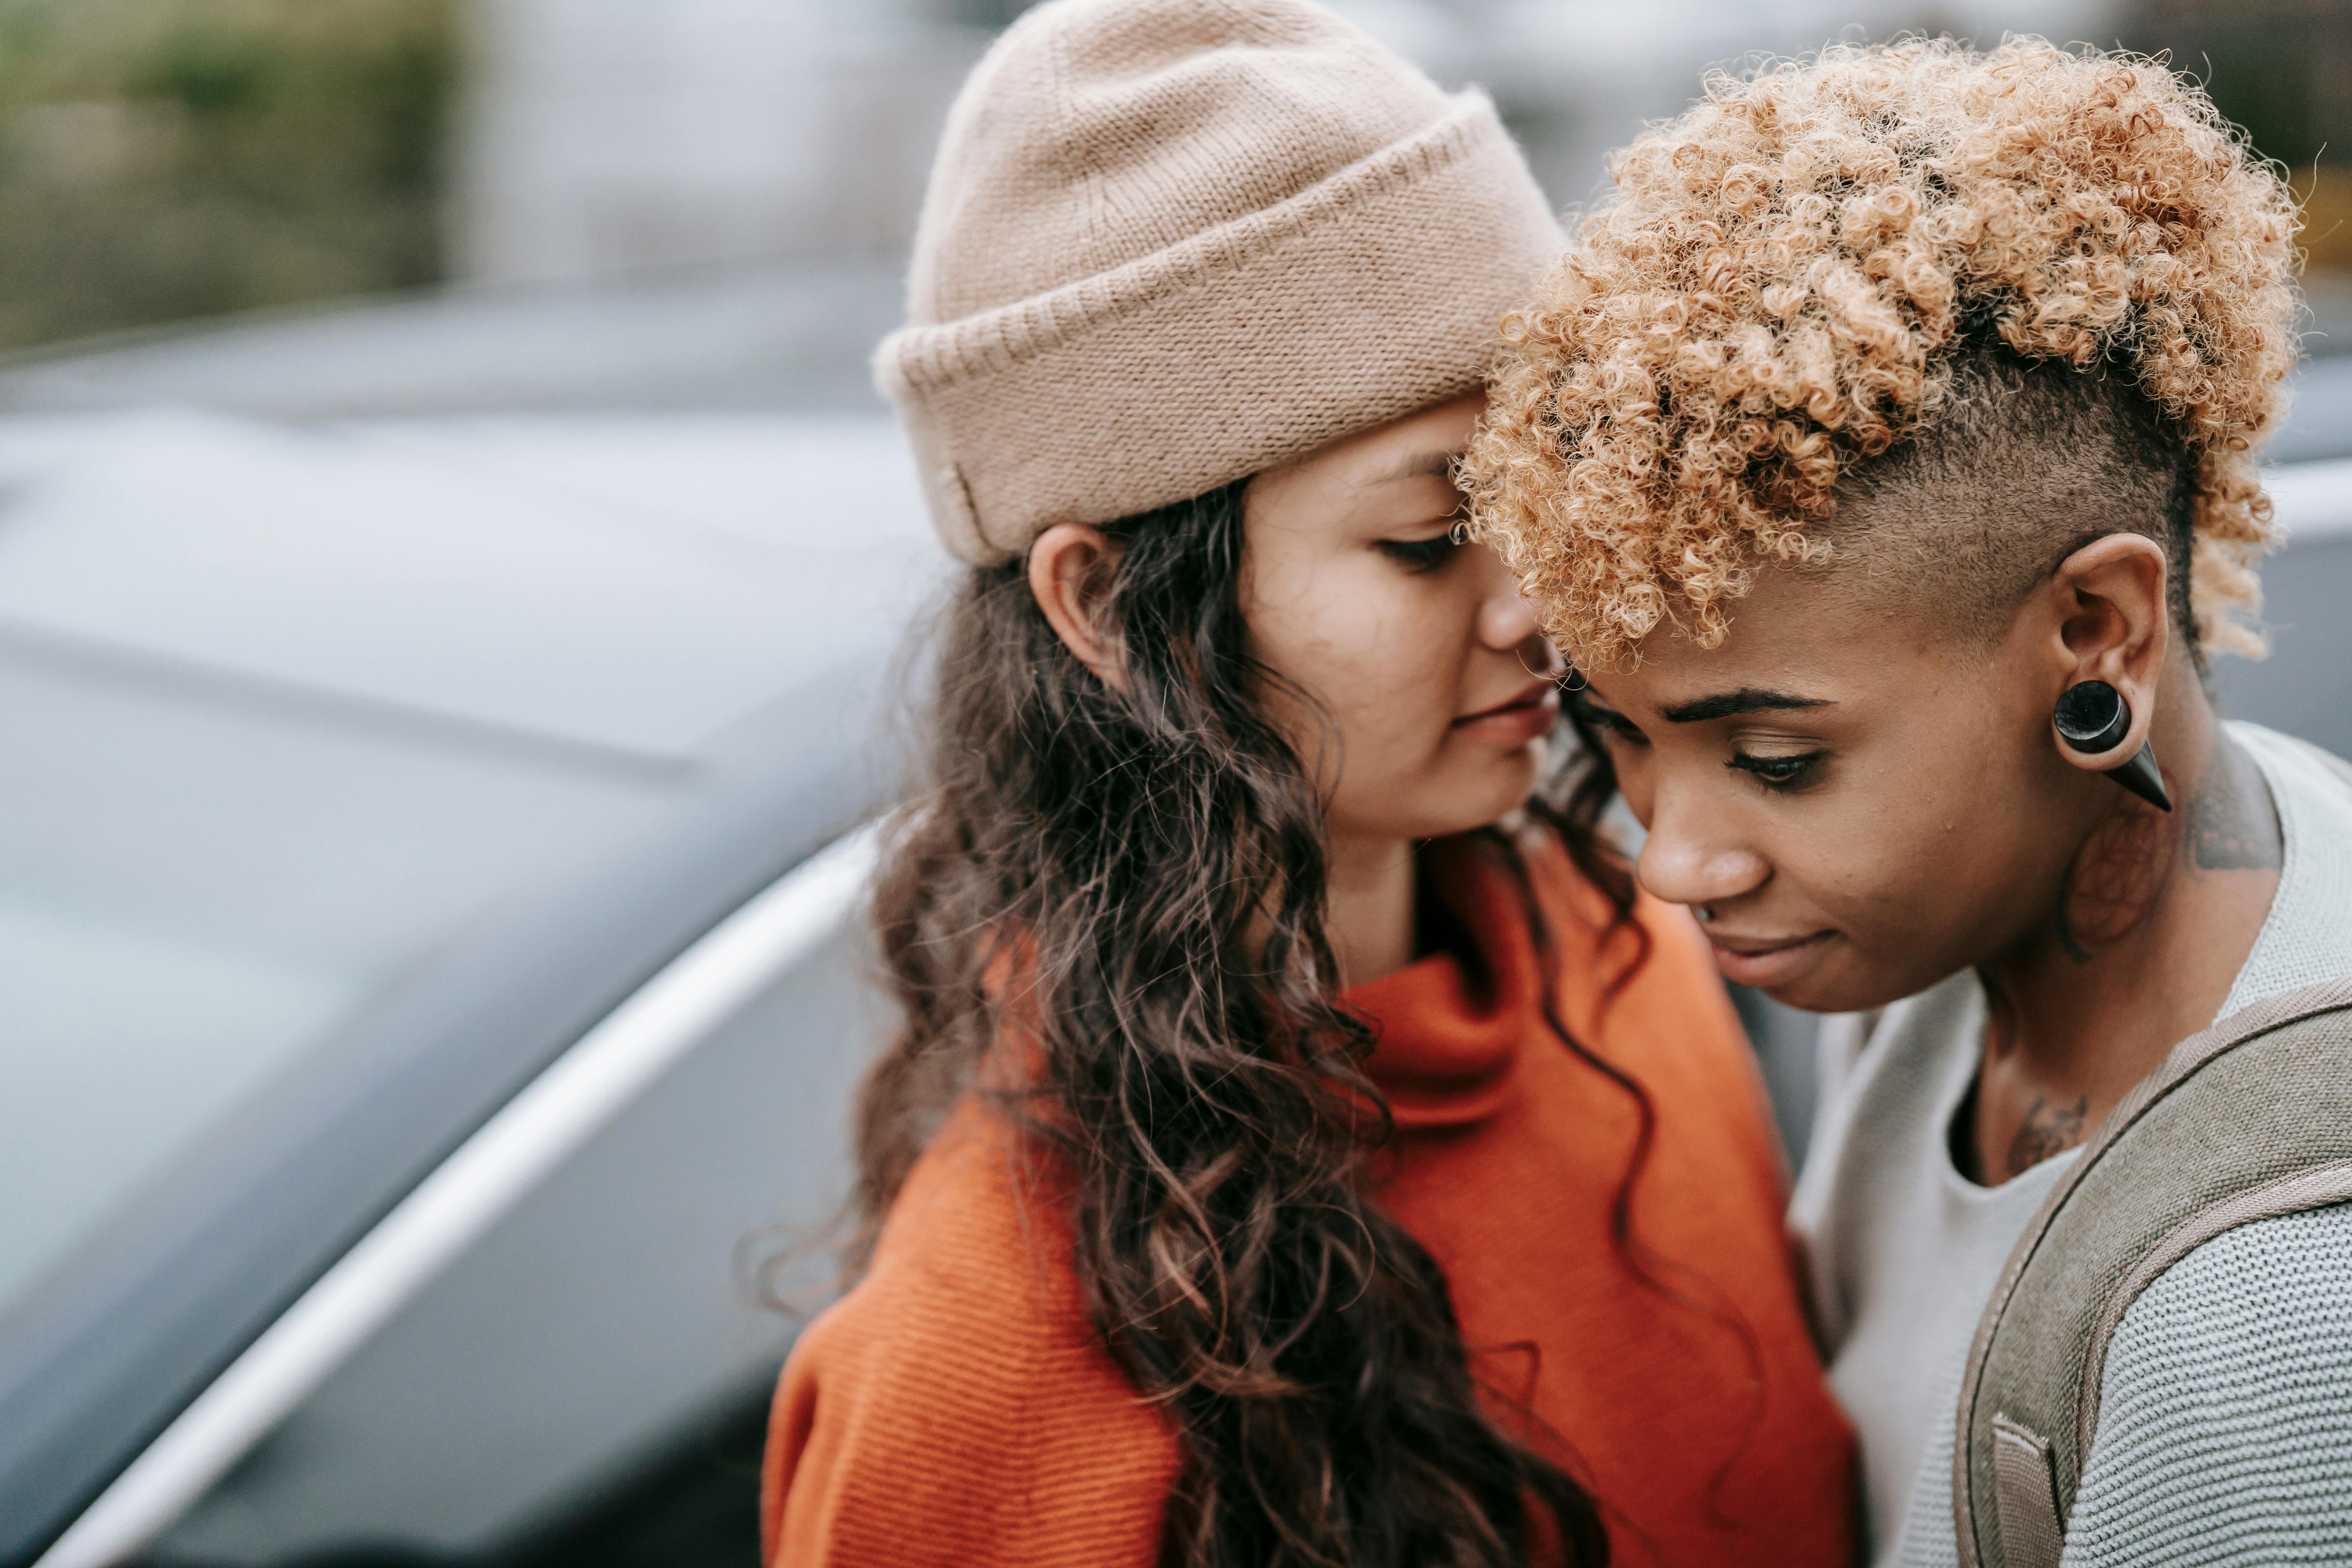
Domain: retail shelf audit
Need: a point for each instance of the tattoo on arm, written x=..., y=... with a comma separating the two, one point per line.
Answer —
x=2047, y=1129
x=2232, y=826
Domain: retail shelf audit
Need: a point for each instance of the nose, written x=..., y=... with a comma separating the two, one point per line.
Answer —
x=1506, y=619
x=1693, y=857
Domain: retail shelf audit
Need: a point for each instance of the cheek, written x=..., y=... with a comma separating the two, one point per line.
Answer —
x=1934, y=859
x=1392, y=677
x=1635, y=767
x=1380, y=658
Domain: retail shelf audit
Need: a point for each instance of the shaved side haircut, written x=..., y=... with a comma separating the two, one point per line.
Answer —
x=2024, y=463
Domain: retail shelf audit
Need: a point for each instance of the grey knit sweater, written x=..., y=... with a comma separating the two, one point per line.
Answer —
x=2225, y=1414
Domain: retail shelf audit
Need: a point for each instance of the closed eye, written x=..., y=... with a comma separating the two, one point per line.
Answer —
x=1593, y=716
x=1779, y=774
x=1419, y=554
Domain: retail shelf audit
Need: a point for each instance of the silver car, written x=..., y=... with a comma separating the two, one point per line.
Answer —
x=430, y=978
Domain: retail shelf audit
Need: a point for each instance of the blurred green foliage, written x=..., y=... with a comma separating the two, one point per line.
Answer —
x=166, y=159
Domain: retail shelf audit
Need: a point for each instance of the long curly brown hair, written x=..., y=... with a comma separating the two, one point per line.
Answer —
x=1784, y=277
x=1150, y=860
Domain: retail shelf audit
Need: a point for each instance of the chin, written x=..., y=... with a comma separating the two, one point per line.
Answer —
x=1444, y=813
x=1509, y=795
x=1515, y=780
x=1814, y=997
x=1855, y=987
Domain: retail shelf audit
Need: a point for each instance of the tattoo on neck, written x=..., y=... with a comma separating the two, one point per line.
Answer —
x=2114, y=879
x=2118, y=875
x=2231, y=824
x=2047, y=1129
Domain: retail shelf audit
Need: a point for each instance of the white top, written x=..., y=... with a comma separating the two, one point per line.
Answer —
x=1903, y=1250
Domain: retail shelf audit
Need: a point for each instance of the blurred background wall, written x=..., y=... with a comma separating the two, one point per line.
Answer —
x=167, y=160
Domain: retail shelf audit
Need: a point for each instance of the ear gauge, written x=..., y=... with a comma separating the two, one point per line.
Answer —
x=2092, y=717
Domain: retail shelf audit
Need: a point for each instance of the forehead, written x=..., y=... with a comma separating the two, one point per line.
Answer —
x=1822, y=633
x=1420, y=443
x=1406, y=459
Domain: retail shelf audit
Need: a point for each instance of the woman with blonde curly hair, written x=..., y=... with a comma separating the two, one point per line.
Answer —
x=1883, y=456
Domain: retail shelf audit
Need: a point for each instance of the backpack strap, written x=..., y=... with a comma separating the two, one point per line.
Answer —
x=2247, y=1121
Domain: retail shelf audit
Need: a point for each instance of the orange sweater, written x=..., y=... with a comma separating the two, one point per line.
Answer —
x=956, y=1408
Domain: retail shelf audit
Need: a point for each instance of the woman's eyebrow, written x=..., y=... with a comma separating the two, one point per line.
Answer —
x=1417, y=465
x=1747, y=700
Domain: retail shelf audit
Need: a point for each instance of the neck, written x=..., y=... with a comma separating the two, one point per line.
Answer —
x=1370, y=914
x=2152, y=922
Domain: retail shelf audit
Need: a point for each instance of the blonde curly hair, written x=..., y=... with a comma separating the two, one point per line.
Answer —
x=1783, y=281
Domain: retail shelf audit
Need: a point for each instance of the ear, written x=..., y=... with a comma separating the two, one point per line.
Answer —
x=2115, y=626
x=1068, y=565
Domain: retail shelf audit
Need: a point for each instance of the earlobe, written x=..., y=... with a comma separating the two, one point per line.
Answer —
x=2095, y=722
x=2113, y=639
x=1068, y=564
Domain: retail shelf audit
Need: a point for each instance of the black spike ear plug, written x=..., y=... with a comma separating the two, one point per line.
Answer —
x=2092, y=717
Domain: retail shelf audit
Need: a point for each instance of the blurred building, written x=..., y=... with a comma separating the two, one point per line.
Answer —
x=167, y=160
x=612, y=136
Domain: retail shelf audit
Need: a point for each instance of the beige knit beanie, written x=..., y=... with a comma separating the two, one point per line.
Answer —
x=1170, y=243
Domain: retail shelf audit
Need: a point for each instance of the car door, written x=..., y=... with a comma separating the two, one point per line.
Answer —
x=560, y=1343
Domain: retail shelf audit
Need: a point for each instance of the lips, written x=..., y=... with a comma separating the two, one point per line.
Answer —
x=1534, y=708
x=1766, y=963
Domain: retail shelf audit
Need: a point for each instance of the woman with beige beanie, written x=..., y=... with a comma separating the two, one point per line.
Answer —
x=1305, y=1146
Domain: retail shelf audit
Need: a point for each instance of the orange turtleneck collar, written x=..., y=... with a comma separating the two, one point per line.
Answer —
x=1454, y=1023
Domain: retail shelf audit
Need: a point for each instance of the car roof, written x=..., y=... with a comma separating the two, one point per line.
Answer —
x=780, y=338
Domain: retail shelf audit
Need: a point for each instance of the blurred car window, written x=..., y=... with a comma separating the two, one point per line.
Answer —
x=121, y=1039
x=199, y=883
